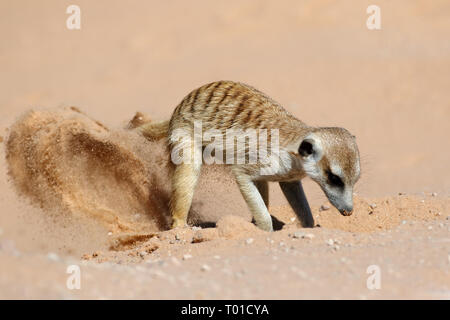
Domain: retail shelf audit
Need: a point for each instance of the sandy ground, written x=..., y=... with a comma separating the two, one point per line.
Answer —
x=76, y=188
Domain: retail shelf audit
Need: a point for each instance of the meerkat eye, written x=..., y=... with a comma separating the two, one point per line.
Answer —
x=334, y=180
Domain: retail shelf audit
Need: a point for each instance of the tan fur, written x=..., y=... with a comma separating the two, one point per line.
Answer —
x=226, y=105
x=155, y=130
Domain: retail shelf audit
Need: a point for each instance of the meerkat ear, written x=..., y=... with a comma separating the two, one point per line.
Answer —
x=306, y=148
x=310, y=147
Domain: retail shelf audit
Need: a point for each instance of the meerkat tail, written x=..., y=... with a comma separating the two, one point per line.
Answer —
x=138, y=120
x=154, y=130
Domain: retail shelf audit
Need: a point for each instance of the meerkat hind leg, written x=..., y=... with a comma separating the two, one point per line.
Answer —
x=296, y=197
x=183, y=184
x=263, y=188
x=255, y=202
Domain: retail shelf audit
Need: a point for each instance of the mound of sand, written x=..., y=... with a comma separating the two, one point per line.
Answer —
x=70, y=164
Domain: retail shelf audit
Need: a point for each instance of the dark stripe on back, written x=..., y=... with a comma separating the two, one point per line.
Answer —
x=186, y=99
x=225, y=95
x=194, y=100
x=241, y=106
x=248, y=116
x=211, y=94
x=257, y=119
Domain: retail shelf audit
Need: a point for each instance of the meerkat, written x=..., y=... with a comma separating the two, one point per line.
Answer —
x=328, y=155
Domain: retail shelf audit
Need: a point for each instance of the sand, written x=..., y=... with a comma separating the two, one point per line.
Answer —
x=78, y=187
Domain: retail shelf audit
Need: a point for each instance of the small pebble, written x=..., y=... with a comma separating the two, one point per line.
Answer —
x=330, y=242
x=434, y=194
x=187, y=256
x=150, y=261
x=324, y=207
x=373, y=205
x=52, y=256
x=110, y=233
x=177, y=237
x=249, y=241
x=430, y=227
x=308, y=236
x=217, y=257
x=298, y=235
x=142, y=254
x=205, y=267
x=292, y=219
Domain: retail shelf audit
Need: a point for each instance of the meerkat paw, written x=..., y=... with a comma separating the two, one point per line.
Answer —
x=266, y=228
x=179, y=223
x=265, y=225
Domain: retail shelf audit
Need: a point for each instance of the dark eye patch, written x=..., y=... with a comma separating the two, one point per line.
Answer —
x=334, y=180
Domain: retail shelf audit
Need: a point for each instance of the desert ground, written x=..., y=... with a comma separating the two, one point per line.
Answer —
x=80, y=191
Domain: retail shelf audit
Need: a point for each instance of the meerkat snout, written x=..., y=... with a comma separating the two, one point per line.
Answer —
x=330, y=157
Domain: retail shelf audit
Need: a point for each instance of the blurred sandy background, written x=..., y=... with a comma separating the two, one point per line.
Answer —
x=317, y=58
x=389, y=87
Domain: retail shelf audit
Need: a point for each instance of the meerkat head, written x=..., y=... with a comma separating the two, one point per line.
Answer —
x=330, y=157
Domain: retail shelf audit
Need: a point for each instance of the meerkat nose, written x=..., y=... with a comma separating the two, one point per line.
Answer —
x=347, y=211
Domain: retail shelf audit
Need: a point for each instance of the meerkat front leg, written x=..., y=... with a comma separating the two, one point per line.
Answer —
x=255, y=202
x=296, y=197
x=263, y=188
